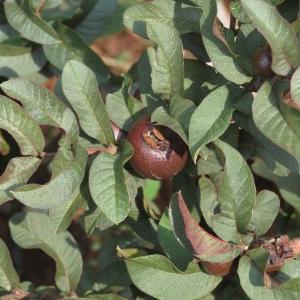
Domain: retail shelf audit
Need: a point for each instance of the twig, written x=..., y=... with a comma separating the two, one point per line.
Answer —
x=16, y=294
x=112, y=149
x=40, y=8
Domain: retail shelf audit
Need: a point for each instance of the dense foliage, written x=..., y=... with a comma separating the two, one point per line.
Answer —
x=201, y=201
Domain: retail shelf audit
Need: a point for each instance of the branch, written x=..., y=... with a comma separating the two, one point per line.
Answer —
x=112, y=149
x=40, y=8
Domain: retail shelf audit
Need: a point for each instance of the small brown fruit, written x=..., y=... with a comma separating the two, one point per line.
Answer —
x=159, y=153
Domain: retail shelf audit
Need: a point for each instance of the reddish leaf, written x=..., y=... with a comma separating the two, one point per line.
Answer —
x=192, y=236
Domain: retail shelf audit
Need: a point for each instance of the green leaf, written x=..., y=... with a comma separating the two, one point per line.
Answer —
x=161, y=117
x=251, y=280
x=277, y=31
x=9, y=278
x=248, y=40
x=7, y=32
x=94, y=24
x=209, y=162
x=237, y=193
x=67, y=176
x=107, y=183
x=277, y=158
x=80, y=86
x=96, y=219
x=34, y=230
x=181, y=109
x=270, y=120
x=222, y=58
x=22, y=18
x=167, y=72
x=19, y=61
x=156, y=276
x=43, y=106
x=62, y=215
x=15, y=120
x=210, y=119
x=179, y=256
x=151, y=189
x=17, y=172
x=295, y=87
x=208, y=199
x=73, y=47
x=183, y=17
x=129, y=108
x=288, y=185
x=265, y=212
x=194, y=238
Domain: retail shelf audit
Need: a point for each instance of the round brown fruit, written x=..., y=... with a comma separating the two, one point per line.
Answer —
x=217, y=269
x=262, y=62
x=159, y=153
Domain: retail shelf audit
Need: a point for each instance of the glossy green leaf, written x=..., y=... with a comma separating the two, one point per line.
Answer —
x=156, y=276
x=277, y=31
x=80, y=86
x=26, y=132
x=17, y=172
x=22, y=18
x=252, y=282
x=95, y=22
x=265, y=212
x=107, y=183
x=237, y=193
x=210, y=119
x=269, y=119
x=64, y=184
x=43, y=106
x=9, y=278
x=34, y=230
x=73, y=47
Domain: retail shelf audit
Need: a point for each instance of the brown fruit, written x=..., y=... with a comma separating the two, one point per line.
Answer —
x=262, y=62
x=217, y=269
x=159, y=153
x=279, y=248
